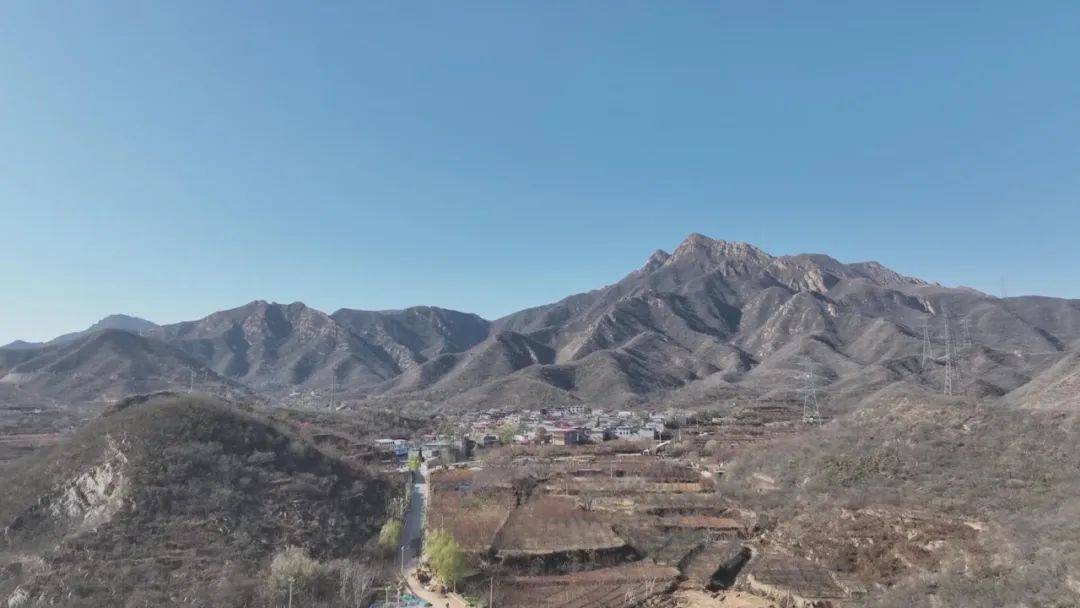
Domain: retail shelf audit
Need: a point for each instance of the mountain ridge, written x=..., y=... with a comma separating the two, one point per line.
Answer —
x=710, y=314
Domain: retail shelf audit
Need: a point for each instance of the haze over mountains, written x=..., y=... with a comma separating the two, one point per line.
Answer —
x=713, y=320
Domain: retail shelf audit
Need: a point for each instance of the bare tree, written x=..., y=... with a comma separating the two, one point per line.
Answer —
x=355, y=585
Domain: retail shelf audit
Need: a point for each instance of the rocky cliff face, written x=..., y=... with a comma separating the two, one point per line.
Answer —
x=92, y=497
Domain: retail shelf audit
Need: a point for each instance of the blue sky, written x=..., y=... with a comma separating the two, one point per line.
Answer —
x=171, y=159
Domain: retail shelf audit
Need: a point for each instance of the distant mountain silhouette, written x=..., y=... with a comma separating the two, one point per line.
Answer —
x=713, y=320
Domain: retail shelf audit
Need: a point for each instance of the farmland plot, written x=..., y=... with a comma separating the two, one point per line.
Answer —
x=615, y=587
x=551, y=524
x=470, y=512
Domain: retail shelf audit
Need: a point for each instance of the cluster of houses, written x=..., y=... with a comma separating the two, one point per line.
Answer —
x=571, y=425
x=431, y=448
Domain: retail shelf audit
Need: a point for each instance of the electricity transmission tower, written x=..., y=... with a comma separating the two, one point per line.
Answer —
x=948, y=386
x=927, y=347
x=965, y=329
x=810, y=412
x=964, y=351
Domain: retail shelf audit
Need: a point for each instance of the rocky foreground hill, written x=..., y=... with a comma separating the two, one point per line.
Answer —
x=711, y=321
x=179, y=500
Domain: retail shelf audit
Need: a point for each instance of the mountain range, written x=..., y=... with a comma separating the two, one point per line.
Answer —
x=711, y=322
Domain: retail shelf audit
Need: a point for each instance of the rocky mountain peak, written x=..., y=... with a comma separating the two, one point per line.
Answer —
x=717, y=250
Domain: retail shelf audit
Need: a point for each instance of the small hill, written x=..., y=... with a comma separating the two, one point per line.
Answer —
x=182, y=500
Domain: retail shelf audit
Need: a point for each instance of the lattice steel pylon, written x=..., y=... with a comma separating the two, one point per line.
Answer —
x=948, y=385
x=810, y=412
x=965, y=329
x=962, y=352
x=927, y=347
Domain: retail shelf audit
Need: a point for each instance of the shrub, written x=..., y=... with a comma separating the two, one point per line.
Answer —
x=390, y=534
x=413, y=463
x=506, y=433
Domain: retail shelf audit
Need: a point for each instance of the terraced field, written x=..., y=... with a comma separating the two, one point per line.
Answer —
x=550, y=524
x=604, y=588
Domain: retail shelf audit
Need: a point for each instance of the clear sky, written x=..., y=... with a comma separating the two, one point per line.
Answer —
x=169, y=159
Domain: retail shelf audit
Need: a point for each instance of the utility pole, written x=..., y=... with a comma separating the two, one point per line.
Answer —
x=290, y=591
x=191, y=387
x=491, y=593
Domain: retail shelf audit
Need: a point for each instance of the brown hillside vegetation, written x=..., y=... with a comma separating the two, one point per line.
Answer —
x=182, y=501
x=923, y=504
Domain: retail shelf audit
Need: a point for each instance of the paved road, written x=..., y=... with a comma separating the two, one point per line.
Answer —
x=412, y=533
x=412, y=536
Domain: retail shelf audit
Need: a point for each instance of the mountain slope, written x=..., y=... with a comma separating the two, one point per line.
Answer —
x=415, y=335
x=709, y=294
x=274, y=347
x=182, y=501
x=108, y=365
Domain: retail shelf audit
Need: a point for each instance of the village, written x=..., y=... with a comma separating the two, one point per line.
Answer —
x=593, y=508
x=560, y=426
